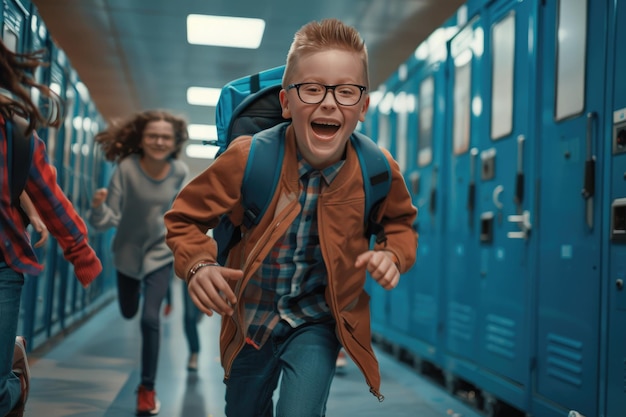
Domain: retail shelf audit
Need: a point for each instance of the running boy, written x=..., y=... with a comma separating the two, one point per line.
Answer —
x=293, y=290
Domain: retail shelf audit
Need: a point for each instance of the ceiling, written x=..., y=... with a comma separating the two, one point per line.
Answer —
x=133, y=54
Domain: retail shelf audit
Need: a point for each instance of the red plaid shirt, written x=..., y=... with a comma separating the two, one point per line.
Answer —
x=55, y=210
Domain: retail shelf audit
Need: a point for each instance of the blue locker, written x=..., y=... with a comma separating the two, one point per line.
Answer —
x=59, y=79
x=426, y=179
x=570, y=104
x=504, y=195
x=15, y=15
x=461, y=275
x=402, y=119
x=38, y=39
x=615, y=221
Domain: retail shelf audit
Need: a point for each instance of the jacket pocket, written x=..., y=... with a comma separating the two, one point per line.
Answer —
x=356, y=317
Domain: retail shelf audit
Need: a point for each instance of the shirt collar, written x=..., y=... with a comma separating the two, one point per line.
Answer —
x=329, y=173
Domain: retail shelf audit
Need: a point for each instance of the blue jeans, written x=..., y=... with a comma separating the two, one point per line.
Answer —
x=11, y=284
x=305, y=356
x=192, y=315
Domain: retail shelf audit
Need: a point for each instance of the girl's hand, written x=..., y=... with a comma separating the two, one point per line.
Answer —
x=40, y=228
x=33, y=216
x=98, y=197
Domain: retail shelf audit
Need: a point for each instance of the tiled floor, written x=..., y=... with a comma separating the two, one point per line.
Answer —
x=94, y=371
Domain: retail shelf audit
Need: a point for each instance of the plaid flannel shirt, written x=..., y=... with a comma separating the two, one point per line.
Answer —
x=290, y=284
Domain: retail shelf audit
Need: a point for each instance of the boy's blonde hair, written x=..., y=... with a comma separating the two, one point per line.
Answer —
x=322, y=36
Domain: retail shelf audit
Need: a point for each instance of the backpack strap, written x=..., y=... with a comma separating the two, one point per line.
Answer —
x=376, y=180
x=268, y=149
x=267, y=152
x=255, y=83
x=20, y=151
x=266, y=155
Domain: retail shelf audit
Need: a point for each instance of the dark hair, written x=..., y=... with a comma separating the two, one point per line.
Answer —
x=16, y=78
x=121, y=139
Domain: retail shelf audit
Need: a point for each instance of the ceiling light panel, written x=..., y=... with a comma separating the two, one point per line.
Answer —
x=233, y=32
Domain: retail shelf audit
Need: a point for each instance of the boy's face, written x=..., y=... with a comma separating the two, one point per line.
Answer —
x=323, y=129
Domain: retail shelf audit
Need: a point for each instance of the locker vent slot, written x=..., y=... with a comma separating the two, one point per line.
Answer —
x=565, y=359
x=426, y=313
x=500, y=336
x=461, y=321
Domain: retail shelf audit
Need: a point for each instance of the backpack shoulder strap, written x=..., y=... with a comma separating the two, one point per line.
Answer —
x=20, y=151
x=266, y=154
x=376, y=179
x=262, y=172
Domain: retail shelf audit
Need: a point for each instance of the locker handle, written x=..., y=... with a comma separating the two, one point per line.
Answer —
x=433, y=201
x=471, y=197
x=523, y=221
x=519, y=188
x=518, y=198
x=471, y=192
x=590, y=179
x=433, y=190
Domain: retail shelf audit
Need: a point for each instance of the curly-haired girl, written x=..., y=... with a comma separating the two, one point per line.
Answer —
x=147, y=178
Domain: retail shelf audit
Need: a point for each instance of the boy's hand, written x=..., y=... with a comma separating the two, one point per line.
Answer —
x=210, y=291
x=98, y=197
x=381, y=266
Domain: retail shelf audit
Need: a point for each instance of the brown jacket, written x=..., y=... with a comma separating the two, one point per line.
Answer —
x=216, y=191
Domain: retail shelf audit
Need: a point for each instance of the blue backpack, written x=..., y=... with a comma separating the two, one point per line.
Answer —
x=250, y=106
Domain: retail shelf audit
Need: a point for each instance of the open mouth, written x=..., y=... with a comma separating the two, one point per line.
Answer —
x=324, y=129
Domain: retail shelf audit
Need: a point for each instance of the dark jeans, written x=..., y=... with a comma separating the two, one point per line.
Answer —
x=305, y=356
x=11, y=284
x=154, y=287
x=192, y=316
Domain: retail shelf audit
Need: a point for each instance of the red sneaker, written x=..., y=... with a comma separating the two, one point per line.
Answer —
x=147, y=402
x=21, y=369
x=167, y=310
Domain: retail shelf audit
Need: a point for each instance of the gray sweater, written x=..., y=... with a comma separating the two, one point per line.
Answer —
x=136, y=204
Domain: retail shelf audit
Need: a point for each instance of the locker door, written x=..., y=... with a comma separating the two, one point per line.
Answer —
x=460, y=269
x=38, y=39
x=505, y=202
x=403, y=110
x=573, y=55
x=427, y=183
x=616, y=206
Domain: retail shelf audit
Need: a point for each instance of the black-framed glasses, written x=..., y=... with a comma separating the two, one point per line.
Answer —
x=315, y=93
